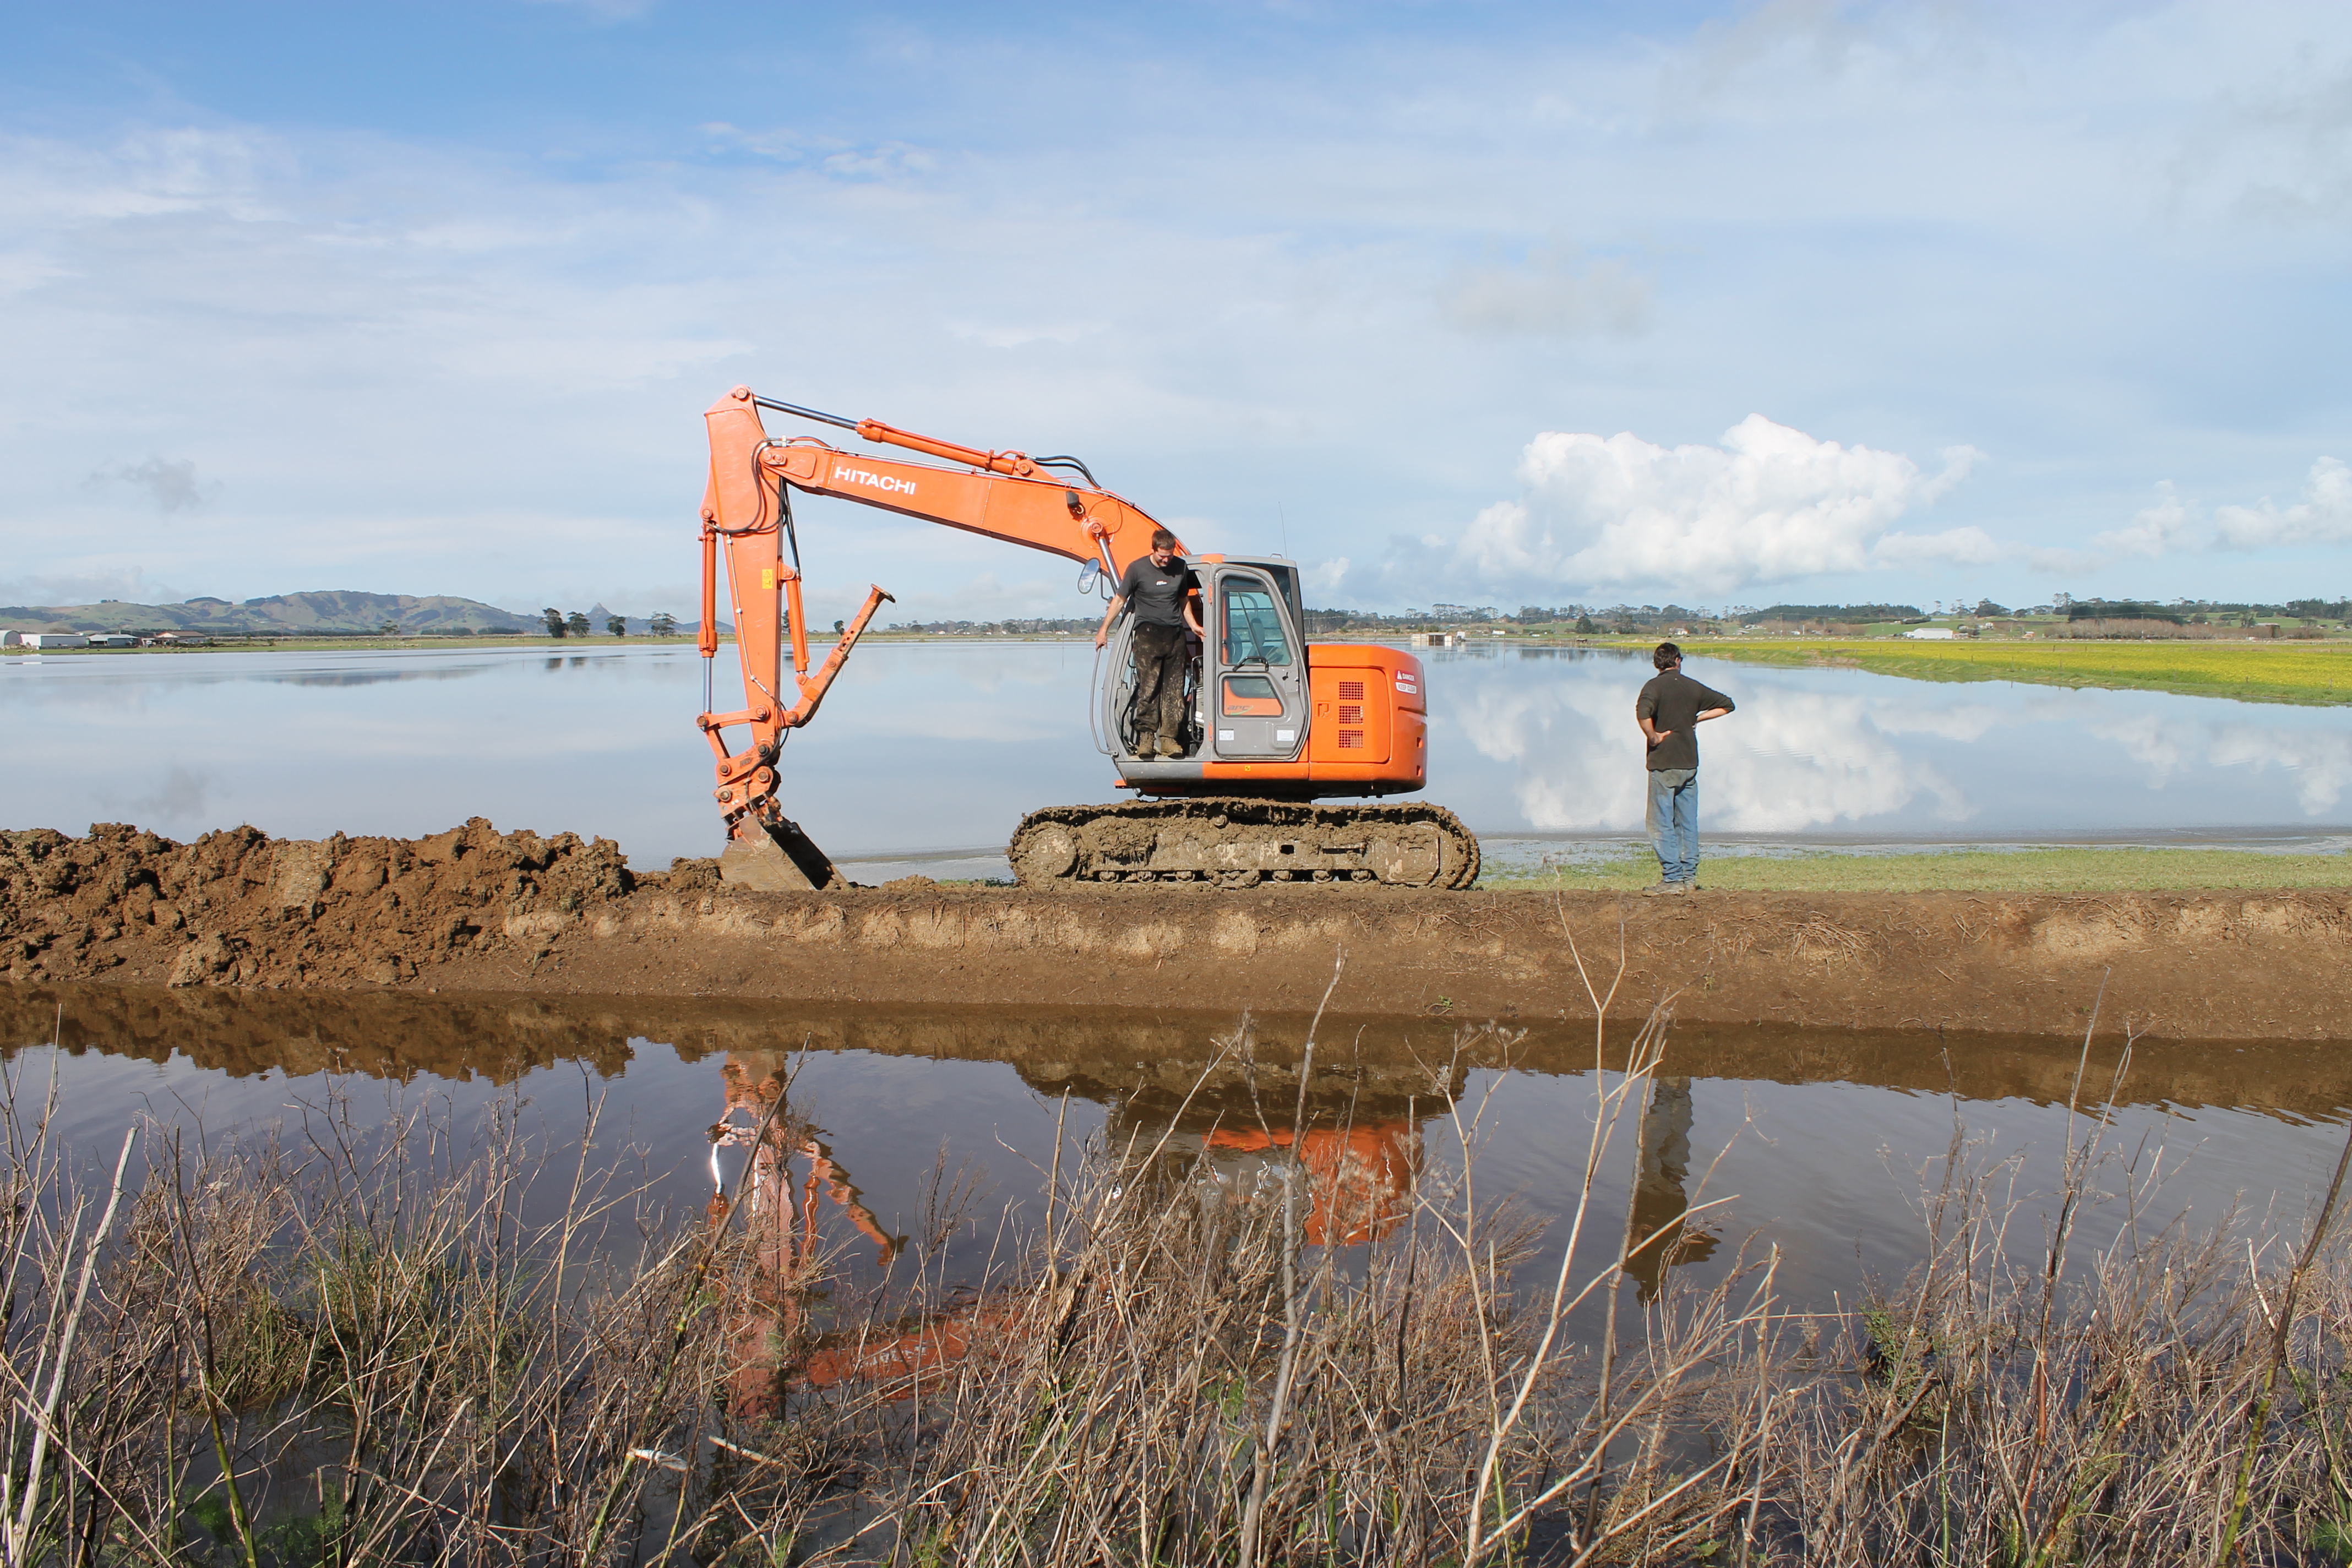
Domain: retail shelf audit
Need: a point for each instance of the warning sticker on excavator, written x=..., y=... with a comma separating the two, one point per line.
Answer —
x=768, y=578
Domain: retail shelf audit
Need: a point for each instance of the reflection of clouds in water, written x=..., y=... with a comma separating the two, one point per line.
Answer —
x=1788, y=760
x=1504, y=723
x=2168, y=738
x=2318, y=761
x=2321, y=762
x=2152, y=743
x=1808, y=750
x=1574, y=771
x=1805, y=759
x=183, y=795
x=1967, y=723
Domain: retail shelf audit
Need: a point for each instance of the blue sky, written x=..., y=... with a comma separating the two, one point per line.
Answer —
x=1493, y=303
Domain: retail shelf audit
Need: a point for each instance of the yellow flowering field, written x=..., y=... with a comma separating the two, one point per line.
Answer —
x=2289, y=671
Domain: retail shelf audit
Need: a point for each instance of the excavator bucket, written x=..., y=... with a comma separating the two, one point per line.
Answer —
x=778, y=858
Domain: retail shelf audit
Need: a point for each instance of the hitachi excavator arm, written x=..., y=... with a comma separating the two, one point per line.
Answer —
x=746, y=509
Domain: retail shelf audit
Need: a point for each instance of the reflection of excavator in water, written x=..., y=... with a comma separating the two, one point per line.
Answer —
x=1359, y=1161
x=1356, y=1138
x=764, y=1313
x=1358, y=1178
x=1277, y=724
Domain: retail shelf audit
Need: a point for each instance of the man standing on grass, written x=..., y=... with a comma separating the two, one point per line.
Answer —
x=1670, y=709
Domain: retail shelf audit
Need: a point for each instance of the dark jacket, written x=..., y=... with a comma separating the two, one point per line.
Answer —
x=1673, y=702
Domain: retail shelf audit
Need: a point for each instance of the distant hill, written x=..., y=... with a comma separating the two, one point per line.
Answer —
x=286, y=613
x=296, y=615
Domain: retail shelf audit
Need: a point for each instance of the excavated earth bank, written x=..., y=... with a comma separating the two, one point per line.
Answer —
x=476, y=910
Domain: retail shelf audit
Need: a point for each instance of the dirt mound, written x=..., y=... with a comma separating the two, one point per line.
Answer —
x=474, y=910
x=239, y=908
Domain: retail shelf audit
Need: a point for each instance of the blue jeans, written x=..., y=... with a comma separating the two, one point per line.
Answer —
x=1673, y=823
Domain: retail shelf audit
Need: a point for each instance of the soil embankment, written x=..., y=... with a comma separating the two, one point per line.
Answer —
x=476, y=910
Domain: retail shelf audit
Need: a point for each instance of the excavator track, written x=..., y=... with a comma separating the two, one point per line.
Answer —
x=1240, y=842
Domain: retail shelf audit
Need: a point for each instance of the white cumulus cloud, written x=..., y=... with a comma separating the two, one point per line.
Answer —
x=1768, y=505
x=2156, y=529
x=1970, y=546
x=2324, y=515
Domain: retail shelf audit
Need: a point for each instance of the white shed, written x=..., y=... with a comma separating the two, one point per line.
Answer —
x=56, y=639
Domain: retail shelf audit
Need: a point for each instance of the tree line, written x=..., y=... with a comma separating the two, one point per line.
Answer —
x=576, y=624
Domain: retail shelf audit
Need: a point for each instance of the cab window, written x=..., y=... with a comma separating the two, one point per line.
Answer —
x=1253, y=624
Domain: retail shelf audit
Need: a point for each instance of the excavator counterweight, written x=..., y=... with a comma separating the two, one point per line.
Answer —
x=1275, y=724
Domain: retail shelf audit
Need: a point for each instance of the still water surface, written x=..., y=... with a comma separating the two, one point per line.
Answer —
x=1820, y=1140
x=935, y=750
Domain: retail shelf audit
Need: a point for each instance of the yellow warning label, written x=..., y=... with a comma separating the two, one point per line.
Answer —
x=768, y=578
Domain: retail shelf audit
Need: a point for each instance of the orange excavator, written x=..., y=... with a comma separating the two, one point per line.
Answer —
x=1277, y=725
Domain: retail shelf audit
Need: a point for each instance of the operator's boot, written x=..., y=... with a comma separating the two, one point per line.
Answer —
x=1169, y=749
x=1147, y=745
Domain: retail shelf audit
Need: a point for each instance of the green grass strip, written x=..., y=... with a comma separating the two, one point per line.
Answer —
x=2069, y=870
x=2294, y=672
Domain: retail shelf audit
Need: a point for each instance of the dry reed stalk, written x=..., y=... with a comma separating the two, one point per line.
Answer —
x=369, y=1341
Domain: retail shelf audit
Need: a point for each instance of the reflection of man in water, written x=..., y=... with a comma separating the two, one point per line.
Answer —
x=1166, y=597
x=1659, y=1195
x=1670, y=709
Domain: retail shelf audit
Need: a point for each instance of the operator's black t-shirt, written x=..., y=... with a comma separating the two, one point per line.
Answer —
x=1156, y=598
x=1674, y=701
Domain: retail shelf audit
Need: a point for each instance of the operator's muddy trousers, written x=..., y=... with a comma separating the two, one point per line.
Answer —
x=1158, y=685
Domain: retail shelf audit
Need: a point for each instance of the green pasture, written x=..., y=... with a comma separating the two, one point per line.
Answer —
x=2058, y=870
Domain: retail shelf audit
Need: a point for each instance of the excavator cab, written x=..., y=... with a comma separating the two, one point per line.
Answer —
x=1246, y=687
x=1269, y=711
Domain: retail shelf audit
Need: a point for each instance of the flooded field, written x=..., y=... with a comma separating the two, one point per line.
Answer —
x=927, y=754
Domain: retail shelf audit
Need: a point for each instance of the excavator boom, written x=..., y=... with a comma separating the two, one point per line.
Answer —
x=746, y=514
x=1261, y=729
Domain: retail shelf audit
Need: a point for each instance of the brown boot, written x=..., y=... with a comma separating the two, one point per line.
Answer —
x=1146, y=746
x=1171, y=749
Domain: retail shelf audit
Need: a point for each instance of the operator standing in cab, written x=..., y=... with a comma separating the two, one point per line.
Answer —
x=1167, y=600
x=1670, y=710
